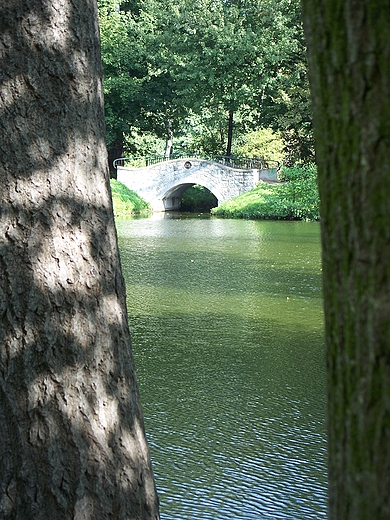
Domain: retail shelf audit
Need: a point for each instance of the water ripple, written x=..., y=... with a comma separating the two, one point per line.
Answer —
x=226, y=320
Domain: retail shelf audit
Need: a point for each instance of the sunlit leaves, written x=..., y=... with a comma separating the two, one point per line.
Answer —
x=179, y=59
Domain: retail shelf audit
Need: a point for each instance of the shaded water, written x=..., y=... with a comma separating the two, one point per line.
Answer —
x=226, y=321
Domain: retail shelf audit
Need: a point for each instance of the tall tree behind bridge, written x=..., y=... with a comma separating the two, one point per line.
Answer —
x=349, y=64
x=71, y=426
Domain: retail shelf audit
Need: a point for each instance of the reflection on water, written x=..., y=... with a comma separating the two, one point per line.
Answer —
x=226, y=320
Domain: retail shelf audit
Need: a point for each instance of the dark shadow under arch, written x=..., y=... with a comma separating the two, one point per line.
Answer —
x=172, y=199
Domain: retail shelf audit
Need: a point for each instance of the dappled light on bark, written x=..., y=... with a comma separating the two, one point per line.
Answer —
x=73, y=443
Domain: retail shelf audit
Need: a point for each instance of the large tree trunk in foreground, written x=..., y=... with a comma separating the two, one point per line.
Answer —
x=72, y=444
x=349, y=63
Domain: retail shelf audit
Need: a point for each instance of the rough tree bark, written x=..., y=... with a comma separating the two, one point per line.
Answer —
x=349, y=64
x=71, y=426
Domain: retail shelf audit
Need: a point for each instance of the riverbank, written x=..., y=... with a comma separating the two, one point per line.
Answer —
x=294, y=198
x=126, y=202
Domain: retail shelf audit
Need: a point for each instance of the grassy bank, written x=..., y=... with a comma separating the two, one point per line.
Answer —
x=126, y=202
x=294, y=199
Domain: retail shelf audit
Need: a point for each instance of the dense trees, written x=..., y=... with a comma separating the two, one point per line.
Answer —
x=349, y=62
x=71, y=425
x=197, y=70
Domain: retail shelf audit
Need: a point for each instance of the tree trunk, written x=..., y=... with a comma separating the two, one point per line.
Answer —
x=169, y=136
x=349, y=63
x=71, y=426
x=230, y=134
x=115, y=152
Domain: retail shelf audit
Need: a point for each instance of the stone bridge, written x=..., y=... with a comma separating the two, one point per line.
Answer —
x=163, y=184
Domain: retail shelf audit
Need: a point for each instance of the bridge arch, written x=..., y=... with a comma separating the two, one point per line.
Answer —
x=173, y=196
x=163, y=184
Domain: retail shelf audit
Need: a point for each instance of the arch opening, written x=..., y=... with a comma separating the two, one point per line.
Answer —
x=199, y=196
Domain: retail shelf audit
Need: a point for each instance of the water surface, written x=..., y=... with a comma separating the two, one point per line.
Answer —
x=227, y=328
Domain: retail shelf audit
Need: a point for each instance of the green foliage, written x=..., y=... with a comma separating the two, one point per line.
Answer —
x=123, y=56
x=285, y=100
x=295, y=198
x=263, y=143
x=126, y=202
x=143, y=144
x=198, y=198
x=168, y=65
x=203, y=134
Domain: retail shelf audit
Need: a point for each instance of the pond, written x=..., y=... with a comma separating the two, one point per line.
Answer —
x=227, y=330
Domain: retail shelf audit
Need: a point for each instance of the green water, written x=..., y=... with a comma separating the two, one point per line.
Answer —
x=227, y=328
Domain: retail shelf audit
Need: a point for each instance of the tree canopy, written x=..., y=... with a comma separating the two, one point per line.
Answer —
x=199, y=69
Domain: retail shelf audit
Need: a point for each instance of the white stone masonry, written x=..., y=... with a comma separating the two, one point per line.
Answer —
x=163, y=184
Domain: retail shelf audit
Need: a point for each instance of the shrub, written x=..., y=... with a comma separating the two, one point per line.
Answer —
x=126, y=202
x=294, y=198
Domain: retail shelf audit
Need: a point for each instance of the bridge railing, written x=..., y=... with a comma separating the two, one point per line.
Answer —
x=230, y=161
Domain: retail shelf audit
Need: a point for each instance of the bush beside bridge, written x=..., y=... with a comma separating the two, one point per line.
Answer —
x=126, y=202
